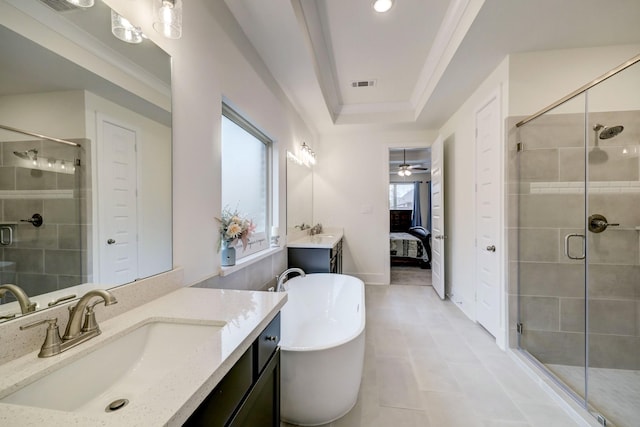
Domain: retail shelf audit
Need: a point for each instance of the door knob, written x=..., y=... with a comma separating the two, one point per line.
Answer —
x=110, y=242
x=491, y=248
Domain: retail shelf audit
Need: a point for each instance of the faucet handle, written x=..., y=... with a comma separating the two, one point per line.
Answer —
x=52, y=340
x=90, y=322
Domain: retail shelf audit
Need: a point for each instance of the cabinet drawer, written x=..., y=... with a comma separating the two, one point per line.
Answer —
x=221, y=403
x=266, y=344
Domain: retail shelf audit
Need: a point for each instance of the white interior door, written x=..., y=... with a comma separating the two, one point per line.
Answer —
x=117, y=202
x=488, y=214
x=437, y=217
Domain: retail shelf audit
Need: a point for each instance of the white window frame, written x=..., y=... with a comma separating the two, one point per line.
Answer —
x=258, y=241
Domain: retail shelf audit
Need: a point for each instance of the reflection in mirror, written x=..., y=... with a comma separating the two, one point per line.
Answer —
x=299, y=193
x=94, y=211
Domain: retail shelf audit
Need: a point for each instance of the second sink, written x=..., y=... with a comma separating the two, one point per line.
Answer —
x=120, y=369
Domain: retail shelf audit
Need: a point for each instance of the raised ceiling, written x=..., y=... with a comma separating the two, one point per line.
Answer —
x=424, y=57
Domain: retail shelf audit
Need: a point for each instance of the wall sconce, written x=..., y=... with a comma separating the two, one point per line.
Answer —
x=167, y=18
x=82, y=3
x=125, y=30
x=308, y=155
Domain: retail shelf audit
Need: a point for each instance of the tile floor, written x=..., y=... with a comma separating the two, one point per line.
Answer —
x=613, y=392
x=402, y=275
x=428, y=365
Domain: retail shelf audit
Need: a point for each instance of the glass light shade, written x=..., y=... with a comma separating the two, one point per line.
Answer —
x=407, y=172
x=82, y=3
x=125, y=30
x=382, y=6
x=167, y=18
x=400, y=172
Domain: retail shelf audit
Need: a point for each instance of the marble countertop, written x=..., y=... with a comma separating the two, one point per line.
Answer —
x=181, y=387
x=325, y=240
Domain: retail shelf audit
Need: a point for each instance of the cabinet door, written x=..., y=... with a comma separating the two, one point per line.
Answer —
x=218, y=407
x=262, y=406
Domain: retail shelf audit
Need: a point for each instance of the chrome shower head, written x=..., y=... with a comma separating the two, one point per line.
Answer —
x=607, y=132
x=610, y=132
x=27, y=155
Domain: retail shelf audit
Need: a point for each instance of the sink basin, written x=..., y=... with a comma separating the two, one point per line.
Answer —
x=120, y=369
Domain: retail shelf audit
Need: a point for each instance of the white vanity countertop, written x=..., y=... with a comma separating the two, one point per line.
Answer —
x=182, y=387
x=325, y=240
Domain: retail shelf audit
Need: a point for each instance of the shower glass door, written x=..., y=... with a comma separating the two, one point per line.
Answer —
x=42, y=229
x=613, y=278
x=552, y=243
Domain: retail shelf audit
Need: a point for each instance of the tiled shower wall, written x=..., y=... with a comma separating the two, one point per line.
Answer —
x=53, y=256
x=545, y=204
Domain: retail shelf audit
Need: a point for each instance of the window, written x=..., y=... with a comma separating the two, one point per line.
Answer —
x=401, y=196
x=246, y=154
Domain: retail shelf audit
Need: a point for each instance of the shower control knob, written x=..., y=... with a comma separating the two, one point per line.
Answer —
x=491, y=248
x=110, y=242
x=598, y=223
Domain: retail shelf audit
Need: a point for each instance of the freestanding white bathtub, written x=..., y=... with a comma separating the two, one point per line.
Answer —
x=322, y=347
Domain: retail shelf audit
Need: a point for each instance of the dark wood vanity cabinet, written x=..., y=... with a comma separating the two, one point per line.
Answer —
x=317, y=260
x=249, y=394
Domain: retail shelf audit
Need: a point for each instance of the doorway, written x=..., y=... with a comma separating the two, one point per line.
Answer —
x=410, y=216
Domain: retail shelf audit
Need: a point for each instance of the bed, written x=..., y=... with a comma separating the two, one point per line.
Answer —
x=408, y=245
x=407, y=249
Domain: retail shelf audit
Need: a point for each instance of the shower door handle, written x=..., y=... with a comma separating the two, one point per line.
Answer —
x=567, y=240
x=3, y=237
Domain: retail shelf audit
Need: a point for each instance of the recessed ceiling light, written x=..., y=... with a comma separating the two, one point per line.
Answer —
x=382, y=6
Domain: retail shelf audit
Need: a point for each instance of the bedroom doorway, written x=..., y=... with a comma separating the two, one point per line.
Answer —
x=410, y=216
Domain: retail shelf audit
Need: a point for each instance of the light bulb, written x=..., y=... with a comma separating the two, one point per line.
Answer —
x=382, y=6
x=167, y=18
x=125, y=30
x=81, y=3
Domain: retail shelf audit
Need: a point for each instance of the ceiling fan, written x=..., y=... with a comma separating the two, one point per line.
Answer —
x=405, y=169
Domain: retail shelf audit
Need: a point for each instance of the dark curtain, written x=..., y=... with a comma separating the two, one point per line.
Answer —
x=416, y=218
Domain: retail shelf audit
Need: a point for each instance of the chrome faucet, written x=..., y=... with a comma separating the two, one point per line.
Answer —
x=283, y=277
x=75, y=333
x=26, y=306
x=316, y=229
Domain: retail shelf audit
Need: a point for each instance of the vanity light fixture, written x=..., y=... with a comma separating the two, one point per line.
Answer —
x=308, y=155
x=382, y=6
x=125, y=30
x=167, y=18
x=82, y=3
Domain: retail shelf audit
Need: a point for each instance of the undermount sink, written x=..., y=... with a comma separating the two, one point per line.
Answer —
x=118, y=371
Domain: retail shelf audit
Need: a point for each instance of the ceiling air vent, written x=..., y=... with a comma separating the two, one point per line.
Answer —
x=363, y=83
x=59, y=5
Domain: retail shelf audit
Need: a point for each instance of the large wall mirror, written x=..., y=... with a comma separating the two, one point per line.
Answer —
x=299, y=193
x=85, y=146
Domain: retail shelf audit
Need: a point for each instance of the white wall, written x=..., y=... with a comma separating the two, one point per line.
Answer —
x=213, y=60
x=459, y=190
x=538, y=79
x=351, y=191
x=56, y=114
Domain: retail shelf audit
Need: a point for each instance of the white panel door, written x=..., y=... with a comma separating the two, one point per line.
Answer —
x=437, y=217
x=488, y=214
x=117, y=203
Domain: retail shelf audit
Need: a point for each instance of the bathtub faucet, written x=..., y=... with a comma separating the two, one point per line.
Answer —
x=283, y=277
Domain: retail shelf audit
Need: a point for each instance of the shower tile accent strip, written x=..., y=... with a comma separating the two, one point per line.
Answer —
x=573, y=187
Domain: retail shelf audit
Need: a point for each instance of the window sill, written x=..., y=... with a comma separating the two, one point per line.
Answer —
x=251, y=259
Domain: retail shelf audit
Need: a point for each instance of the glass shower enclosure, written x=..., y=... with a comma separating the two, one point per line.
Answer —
x=575, y=243
x=43, y=227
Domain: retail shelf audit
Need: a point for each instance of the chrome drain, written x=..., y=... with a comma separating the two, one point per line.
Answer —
x=116, y=405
